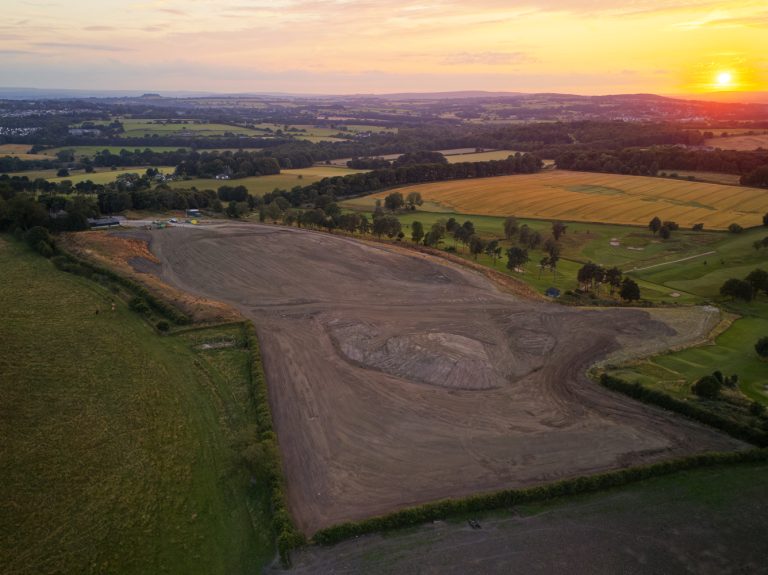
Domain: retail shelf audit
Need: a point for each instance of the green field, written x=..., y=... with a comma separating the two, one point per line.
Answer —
x=99, y=176
x=117, y=452
x=259, y=185
x=91, y=151
x=139, y=128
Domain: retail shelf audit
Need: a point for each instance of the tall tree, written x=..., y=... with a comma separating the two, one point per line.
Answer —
x=629, y=291
x=516, y=257
x=654, y=225
x=558, y=230
x=417, y=232
x=511, y=227
x=476, y=245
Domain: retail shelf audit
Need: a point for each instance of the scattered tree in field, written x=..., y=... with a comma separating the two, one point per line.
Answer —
x=698, y=227
x=758, y=279
x=63, y=173
x=493, y=250
x=451, y=225
x=413, y=199
x=765, y=219
x=417, y=232
x=386, y=225
x=665, y=232
x=365, y=225
x=613, y=278
x=524, y=233
x=654, y=225
x=534, y=239
x=510, y=227
x=394, y=201
x=516, y=257
x=271, y=211
x=761, y=347
x=378, y=211
x=590, y=276
x=558, y=230
x=735, y=228
x=737, y=289
x=673, y=226
x=629, y=291
x=476, y=245
x=707, y=387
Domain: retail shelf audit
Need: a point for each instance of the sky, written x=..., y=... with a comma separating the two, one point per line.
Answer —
x=350, y=46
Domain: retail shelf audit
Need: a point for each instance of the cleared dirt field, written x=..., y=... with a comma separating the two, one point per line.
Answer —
x=590, y=197
x=398, y=379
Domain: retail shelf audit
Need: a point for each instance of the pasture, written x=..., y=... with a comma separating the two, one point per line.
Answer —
x=591, y=197
x=745, y=141
x=118, y=444
x=98, y=176
x=260, y=185
x=90, y=151
x=140, y=128
x=20, y=151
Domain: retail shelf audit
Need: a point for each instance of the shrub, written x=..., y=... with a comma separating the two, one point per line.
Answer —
x=708, y=387
x=756, y=408
x=163, y=326
x=761, y=347
x=735, y=229
x=139, y=306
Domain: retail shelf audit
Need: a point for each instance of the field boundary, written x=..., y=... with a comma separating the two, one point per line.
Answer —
x=446, y=508
x=687, y=409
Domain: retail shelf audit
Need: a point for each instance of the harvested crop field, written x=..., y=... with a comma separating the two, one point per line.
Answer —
x=397, y=379
x=591, y=197
x=741, y=142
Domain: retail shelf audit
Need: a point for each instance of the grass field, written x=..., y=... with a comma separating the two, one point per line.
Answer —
x=139, y=128
x=20, y=151
x=590, y=197
x=479, y=156
x=740, y=142
x=260, y=185
x=609, y=245
x=710, y=177
x=90, y=151
x=99, y=175
x=117, y=452
x=733, y=351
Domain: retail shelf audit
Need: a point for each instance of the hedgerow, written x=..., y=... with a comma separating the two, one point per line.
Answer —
x=507, y=498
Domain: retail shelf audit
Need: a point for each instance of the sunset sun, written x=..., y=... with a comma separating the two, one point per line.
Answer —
x=724, y=79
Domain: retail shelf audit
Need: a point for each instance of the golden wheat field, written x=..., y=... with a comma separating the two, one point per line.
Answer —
x=588, y=197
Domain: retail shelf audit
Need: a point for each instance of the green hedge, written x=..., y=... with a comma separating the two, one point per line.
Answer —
x=687, y=408
x=71, y=264
x=288, y=537
x=507, y=498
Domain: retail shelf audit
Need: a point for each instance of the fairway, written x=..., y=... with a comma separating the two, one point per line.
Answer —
x=590, y=197
x=260, y=185
x=117, y=449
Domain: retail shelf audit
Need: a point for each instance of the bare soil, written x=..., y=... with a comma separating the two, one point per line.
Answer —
x=397, y=379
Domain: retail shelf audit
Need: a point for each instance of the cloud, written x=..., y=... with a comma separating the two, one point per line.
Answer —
x=99, y=28
x=75, y=46
x=488, y=58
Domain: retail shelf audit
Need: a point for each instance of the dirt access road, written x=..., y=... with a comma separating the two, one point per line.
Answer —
x=397, y=379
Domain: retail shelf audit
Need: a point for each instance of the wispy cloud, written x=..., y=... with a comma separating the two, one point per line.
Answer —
x=488, y=58
x=77, y=46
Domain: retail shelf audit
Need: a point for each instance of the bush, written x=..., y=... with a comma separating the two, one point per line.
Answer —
x=756, y=408
x=686, y=408
x=139, y=306
x=735, y=229
x=163, y=326
x=761, y=347
x=736, y=288
x=708, y=387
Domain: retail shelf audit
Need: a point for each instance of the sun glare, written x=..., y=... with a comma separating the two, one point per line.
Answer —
x=724, y=79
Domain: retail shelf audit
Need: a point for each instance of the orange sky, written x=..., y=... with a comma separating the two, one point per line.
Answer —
x=339, y=46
